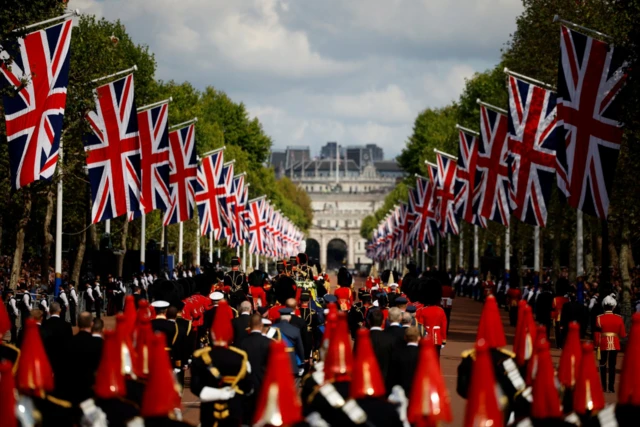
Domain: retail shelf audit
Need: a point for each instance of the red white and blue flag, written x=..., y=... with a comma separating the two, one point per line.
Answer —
x=590, y=76
x=241, y=192
x=113, y=151
x=226, y=202
x=154, y=158
x=208, y=192
x=466, y=186
x=39, y=72
x=257, y=224
x=423, y=230
x=445, y=195
x=532, y=150
x=184, y=174
x=493, y=192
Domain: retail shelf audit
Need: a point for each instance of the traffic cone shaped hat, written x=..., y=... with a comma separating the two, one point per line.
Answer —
x=519, y=326
x=5, y=321
x=128, y=355
x=161, y=396
x=278, y=403
x=629, y=390
x=221, y=329
x=532, y=366
x=109, y=378
x=34, y=376
x=546, y=402
x=330, y=324
x=366, y=378
x=143, y=336
x=568, y=368
x=338, y=363
x=8, y=400
x=429, y=403
x=490, y=328
x=525, y=330
x=587, y=394
x=130, y=313
x=482, y=406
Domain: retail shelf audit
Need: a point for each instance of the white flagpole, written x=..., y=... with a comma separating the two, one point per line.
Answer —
x=257, y=261
x=476, y=255
x=198, y=248
x=244, y=257
x=107, y=227
x=424, y=260
x=536, y=249
x=211, y=246
x=461, y=254
x=579, y=245
x=180, y=236
x=58, y=261
x=238, y=251
x=143, y=241
x=507, y=248
x=448, y=252
x=75, y=12
x=250, y=260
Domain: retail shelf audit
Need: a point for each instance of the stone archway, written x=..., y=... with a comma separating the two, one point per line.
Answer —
x=313, y=249
x=337, y=253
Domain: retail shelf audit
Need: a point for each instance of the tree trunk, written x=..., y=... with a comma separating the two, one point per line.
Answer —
x=123, y=246
x=613, y=256
x=625, y=309
x=48, y=237
x=93, y=237
x=82, y=246
x=555, y=249
x=588, y=252
x=22, y=225
x=572, y=259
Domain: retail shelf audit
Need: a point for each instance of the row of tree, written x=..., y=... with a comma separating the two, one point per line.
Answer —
x=533, y=50
x=98, y=48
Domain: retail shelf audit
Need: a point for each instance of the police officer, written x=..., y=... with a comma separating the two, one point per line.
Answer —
x=64, y=303
x=12, y=310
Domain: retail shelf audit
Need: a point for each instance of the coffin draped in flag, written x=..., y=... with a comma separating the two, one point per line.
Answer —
x=424, y=226
x=256, y=224
x=467, y=178
x=113, y=151
x=493, y=192
x=445, y=195
x=183, y=176
x=532, y=150
x=208, y=192
x=40, y=74
x=153, y=131
x=590, y=76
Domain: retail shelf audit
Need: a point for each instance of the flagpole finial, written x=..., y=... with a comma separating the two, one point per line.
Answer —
x=556, y=18
x=171, y=99
x=135, y=68
x=77, y=12
x=478, y=101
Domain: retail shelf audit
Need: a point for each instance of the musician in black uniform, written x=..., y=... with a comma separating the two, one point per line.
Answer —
x=13, y=311
x=236, y=282
x=219, y=374
x=303, y=271
x=162, y=324
x=356, y=318
x=185, y=343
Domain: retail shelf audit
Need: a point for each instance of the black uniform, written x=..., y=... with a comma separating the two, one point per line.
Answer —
x=24, y=304
x=13, y=317
x=356, y=318
x=238, y=287
x=257, y=348
x=168, y=328
x=220, y=367
x=183, y=347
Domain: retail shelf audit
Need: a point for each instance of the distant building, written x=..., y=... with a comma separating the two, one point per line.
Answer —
x=284, y=159
x=329, y=150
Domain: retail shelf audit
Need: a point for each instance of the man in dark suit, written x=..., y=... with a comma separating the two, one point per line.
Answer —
x=405, y=361
x=544, y=307
x=58, y=334
x=291, y=336
x=87, y=352
x=241, y=323
x=382, y=343
x=299, y=323
x=164, y=325
x=395, y=329
x=572, y=311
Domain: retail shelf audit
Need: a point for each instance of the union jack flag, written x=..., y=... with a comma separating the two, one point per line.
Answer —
x=405, y=219
x=184, y=174
x=113, y=151
x=40, y=74
x=154, y=146
x=257, y=224
x=590, y=76
x=492, y=164
x=424, y=225
x=466, y=186
x=208, y=192
x=226, y=202
x=445, y=196
x=240, y=192
x=532, y=150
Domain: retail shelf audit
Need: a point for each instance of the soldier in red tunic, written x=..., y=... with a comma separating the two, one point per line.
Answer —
x=514, y=295
x=432, y=315
x=609, y=330
x=344, y=293
x=256, y=289
x=556, y=309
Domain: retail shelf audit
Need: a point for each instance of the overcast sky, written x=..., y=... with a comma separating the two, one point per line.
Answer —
x=352, y=71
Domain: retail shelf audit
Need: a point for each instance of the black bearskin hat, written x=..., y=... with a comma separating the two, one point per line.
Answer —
x=302, y=258
x=429, y=291
x=281, y=265
x=293, y=261
x=344, y=277
x=384, y=277
x=256, y=278
x=284, y=288
x=235, y=261
x=562, y=286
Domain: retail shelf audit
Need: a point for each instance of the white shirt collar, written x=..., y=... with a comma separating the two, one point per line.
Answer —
x=412, y=344
x=55, y=315
x=245, y=314
x=394, y=324
x=97, y=335
x=375, y=328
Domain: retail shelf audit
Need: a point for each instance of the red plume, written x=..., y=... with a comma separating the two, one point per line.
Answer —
x=570, y=357
x=221, y=329
x=532, y=366
x=525, y=330
x=587, y=394
x=127, y=351
x=330, y=324
x=429, y=403
x=109, y=378
x=546, y=402
x=8, y=400
x=338, y=363
x=278, y=402
x=34, y=376
x=366, y=379
x=5, y=321
x=130, y=313
x=143, y=335
x=161, y=396
x=490, y=328
x=482, y=405
x=629, y=390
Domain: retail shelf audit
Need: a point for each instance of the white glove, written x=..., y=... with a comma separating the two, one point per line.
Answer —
x=210, y=394
x=300, y=371
x=176, y=370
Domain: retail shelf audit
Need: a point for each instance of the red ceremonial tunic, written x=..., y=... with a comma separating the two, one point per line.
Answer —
x=274, y=312
x=558, y=302
x=609, y=331
x=448, y=295
x=434, y=320
x=258, y=296
x=345, y=298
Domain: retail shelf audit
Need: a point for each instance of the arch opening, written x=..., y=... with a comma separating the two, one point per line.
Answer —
x=336, y=254
x=313, y=249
